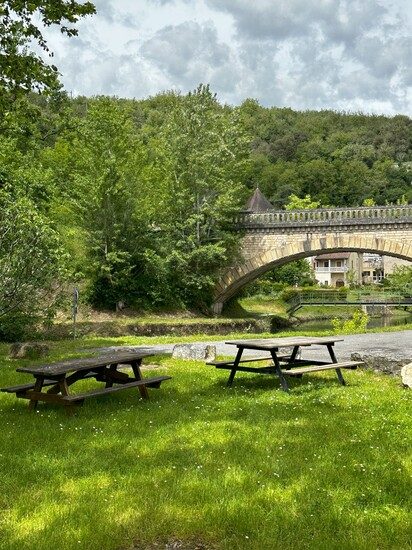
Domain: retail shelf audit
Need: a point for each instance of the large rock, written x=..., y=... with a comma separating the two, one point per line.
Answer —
x=406, y=375
x=386, y=360
x=28, y=350
x=200, y=352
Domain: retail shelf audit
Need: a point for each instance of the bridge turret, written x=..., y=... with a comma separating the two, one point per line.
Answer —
x=258, y=203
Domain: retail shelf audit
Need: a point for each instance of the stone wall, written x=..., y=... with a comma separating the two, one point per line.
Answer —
x=261, y=241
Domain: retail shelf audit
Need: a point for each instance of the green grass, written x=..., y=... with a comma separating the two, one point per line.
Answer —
x=252, y=305
x=248, y=467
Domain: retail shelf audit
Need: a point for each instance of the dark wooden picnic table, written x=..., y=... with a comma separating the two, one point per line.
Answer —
x=282, y=364
x=59, y=377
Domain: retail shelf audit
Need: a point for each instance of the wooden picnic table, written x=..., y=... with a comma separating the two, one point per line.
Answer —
x=284, y=365
x=59, y=377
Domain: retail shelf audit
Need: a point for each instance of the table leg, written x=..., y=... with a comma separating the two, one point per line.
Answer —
x=235, y=365
x=292, y=357
x=37, y=388
x=64, y=388
x=109, y=372
x=285, y=386
x=334, y=360
x=138, y=375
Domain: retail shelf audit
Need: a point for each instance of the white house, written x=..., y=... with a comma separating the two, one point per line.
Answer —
x=338, y=268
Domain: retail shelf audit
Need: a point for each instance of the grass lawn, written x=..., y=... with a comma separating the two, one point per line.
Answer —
x=325, y=467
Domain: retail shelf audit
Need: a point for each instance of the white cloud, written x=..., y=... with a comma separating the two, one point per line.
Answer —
x=186, y=51
x=342, y=54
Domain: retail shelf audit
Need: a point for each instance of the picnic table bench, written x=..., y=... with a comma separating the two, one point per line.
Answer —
x=284, y=365
x=59, y=377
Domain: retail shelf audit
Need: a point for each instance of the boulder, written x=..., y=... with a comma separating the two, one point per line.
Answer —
x=406, y=375
x=198, y=352
x=28, y=350
x=386, y=360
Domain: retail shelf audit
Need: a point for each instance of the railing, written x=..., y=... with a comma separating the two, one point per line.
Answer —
x=332, y=269
x=349, y=297
x=327, y=216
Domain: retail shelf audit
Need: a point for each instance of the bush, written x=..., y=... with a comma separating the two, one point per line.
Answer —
x=31, y=267
x=357, y=323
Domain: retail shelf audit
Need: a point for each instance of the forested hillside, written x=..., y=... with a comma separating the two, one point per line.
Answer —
x=339, y=159
x=134, y=198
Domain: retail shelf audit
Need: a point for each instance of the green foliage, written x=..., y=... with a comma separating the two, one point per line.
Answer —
x=337, y=158
x=202, y=156
x=31, y=266
x=297, y=273
x=400, y=280
x=22, y=68
x=357, y=323
x=305, y=203
x=351, y=278
x=163, y=194
x=142, y=193
x=402, y=201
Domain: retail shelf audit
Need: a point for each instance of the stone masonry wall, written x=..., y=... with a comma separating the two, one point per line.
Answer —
x=260, y=241
x=264, y=248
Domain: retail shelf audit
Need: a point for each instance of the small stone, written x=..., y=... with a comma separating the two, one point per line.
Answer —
x=200, y=352
x=28, y=350
x=406, y=375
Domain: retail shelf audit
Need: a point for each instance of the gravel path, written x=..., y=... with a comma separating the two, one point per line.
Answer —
x=386, y=342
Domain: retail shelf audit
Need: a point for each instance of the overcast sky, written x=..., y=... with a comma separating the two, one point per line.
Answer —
x=352, y=55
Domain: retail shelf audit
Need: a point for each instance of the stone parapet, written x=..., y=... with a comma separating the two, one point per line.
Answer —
x=329, y=217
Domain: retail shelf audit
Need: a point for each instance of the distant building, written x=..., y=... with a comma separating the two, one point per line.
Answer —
x=376, y=268
x=372, y=269
x=338, y=268
x=345, y=268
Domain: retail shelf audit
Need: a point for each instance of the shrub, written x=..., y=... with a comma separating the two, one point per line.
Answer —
x=357, y=323
x=31, y=267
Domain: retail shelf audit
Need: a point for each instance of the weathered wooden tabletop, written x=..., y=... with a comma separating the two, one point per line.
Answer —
x=289, y=341
x=74, y=365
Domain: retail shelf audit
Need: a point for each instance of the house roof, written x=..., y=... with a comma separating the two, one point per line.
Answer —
x=334, y=256
x=258, y=202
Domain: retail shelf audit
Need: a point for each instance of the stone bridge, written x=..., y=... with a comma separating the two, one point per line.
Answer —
x=274, y=238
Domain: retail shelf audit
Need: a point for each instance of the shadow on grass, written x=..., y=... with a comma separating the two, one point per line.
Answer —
x=245, y=467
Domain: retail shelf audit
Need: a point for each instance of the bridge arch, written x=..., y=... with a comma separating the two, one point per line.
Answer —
x=237, y=277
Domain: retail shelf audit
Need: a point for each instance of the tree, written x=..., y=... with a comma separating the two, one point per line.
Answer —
x=297, y=273
x=98, y=169
x=305, y=203
x=200, y=164
x=401, y=279
x=21, y=69
x=31, y=265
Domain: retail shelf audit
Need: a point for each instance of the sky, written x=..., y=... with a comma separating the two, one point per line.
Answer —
x=346, y=55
